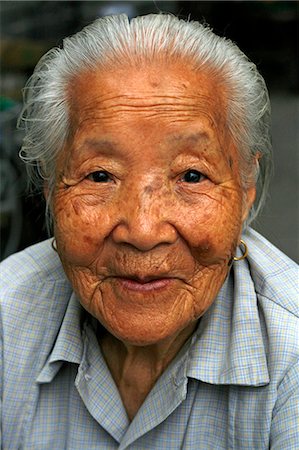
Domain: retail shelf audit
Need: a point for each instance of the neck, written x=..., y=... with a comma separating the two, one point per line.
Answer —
x=135, y=369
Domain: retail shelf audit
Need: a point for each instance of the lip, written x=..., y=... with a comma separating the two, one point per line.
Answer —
x=146, y=284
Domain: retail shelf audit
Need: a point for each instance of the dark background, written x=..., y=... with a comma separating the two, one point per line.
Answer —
x=267, y=31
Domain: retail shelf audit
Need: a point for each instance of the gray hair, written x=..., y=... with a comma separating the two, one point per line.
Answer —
x=115, y=40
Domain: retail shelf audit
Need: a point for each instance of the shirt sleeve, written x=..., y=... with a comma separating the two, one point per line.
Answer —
x=285, y=421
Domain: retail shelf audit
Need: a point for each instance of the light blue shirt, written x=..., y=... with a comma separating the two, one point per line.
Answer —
x=234, y=385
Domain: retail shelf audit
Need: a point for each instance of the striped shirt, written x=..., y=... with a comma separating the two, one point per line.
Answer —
x=234, y=385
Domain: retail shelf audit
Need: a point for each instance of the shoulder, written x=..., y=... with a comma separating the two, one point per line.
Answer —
x=34, y=294
x=32, y=278
x=275, y=276
x=38, y=262
x=275, y=279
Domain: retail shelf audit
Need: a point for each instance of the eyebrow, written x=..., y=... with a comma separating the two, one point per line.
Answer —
x=101, y=145
x=193, y=138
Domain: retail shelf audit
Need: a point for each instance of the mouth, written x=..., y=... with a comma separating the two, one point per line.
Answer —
x=144, y=284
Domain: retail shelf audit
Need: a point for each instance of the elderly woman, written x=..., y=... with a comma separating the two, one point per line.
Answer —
x=149, y=321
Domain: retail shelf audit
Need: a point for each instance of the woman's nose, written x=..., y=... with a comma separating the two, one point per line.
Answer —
x=145, y=223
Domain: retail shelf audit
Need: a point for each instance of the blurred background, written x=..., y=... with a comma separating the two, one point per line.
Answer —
x=267, y=31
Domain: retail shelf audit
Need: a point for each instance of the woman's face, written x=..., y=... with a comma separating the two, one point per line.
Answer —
x=148, y=205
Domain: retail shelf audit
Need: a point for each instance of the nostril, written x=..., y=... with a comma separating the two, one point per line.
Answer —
x=144, y=236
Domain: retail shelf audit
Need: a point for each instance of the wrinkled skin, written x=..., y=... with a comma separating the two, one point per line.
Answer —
x=146, y=243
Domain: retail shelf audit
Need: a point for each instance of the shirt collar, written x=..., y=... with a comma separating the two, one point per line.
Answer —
x=68, y=346
x=228, y=346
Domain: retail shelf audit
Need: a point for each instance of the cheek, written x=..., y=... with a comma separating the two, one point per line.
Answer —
x=212, y=231
x=207, y=283
x=79, y=230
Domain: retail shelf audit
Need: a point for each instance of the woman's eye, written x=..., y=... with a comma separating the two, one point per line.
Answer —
x=193, y=176
x=100, y=176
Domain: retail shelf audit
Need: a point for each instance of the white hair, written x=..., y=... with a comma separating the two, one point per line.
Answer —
x=116, y=40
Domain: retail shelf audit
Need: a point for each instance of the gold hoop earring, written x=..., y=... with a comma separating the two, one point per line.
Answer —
x=53, y=244
x=245, y=252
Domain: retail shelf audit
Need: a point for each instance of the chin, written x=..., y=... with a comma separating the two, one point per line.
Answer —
x=152, y=332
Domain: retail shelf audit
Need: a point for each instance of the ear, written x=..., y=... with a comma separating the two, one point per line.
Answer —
x=249, y=198
x=250, y=193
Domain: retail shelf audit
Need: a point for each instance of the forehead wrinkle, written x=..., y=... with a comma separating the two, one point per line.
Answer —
x=179, y=107
x=159, y=101
x=180, y=112
x=172, y=117
x=145, y=99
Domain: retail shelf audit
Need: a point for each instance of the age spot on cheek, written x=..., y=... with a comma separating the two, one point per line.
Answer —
x=205, y=246
x=87, y=239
